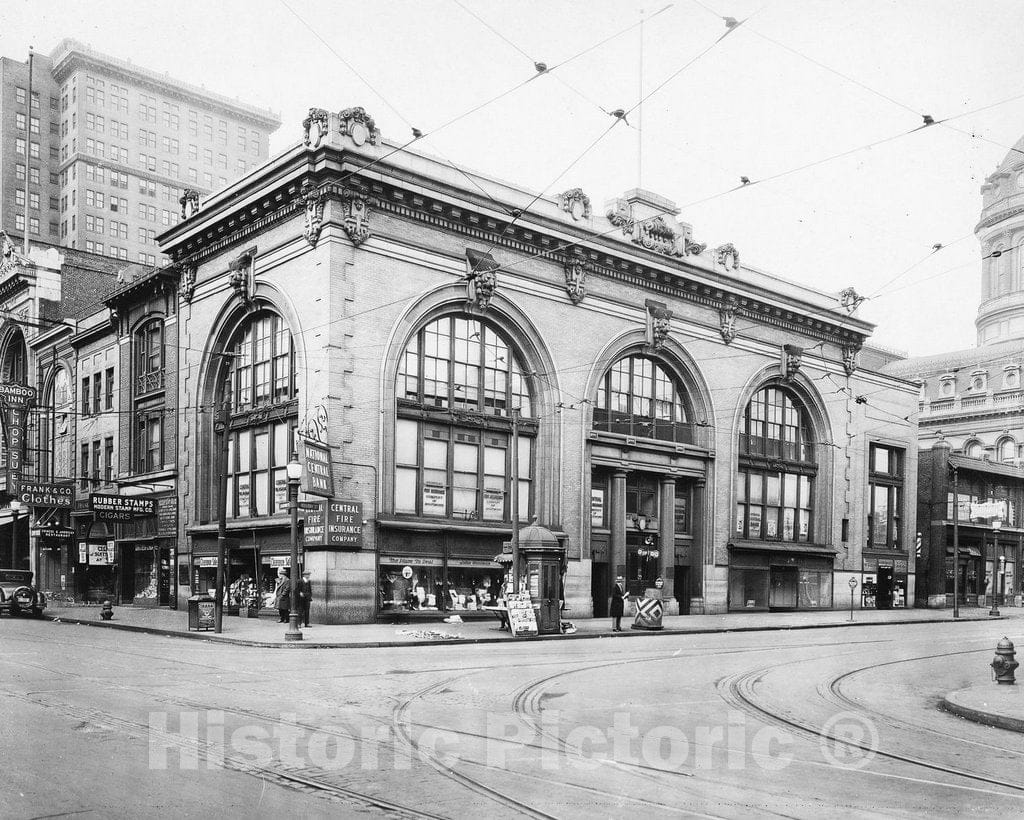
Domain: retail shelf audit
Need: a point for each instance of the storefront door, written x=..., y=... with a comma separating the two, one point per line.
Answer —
x=783, y=591
x=164, y=578
x=549, y=601
x=884, y=589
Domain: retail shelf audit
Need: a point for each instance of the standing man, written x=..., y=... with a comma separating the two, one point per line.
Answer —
x=305, y=597
x=282, y=595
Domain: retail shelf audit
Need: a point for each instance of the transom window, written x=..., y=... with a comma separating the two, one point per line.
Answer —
x=638, y=397
x=775, y=480
x=458, y=383
x=461, y=363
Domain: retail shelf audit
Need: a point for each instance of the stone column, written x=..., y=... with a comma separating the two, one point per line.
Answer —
x=617, y=527
x=667, y=542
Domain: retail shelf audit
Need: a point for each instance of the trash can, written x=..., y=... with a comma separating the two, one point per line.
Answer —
x=200, y=613
x=649, y=610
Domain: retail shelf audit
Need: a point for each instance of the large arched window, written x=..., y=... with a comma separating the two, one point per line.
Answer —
x=14, y=366
x=1007, y=450
x=974, y=449
x=260, y=443
x=638, y=397
x=458, y=384
x=777, y=467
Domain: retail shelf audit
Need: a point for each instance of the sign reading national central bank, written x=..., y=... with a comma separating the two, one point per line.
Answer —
x=317, y=478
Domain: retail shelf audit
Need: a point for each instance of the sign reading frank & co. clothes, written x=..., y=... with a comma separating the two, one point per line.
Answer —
x=121, y=507
x=46, y=493
x=317, y=478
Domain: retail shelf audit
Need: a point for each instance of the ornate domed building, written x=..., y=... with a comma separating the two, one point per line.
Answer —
x=971, y=423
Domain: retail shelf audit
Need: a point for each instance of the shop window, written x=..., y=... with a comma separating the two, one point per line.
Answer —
x=775, y=480
x=815, y=590
x=260, y=444
x=426, y=585
x=885, y=496
x=458, y=384
x=638, y=397
x=748, y=588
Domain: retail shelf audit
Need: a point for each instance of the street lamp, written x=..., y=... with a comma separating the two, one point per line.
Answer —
x=996, y=526
x=294, y=472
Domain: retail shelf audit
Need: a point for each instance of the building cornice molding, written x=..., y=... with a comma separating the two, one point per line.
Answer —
x=997, y=217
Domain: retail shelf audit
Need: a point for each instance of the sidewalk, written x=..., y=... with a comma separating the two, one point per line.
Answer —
x=263, y=632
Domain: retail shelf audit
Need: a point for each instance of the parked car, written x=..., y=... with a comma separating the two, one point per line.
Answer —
x=18, y=596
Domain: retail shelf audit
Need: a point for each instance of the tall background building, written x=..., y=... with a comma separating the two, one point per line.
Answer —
x=112, y=146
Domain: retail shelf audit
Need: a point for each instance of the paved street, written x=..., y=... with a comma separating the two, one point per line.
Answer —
x=106, y=723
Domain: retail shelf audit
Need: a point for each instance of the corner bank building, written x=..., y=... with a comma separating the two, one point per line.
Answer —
x=672, y=416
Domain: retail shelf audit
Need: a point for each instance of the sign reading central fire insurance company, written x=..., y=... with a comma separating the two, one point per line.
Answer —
x=121, y=507
x=317, y=478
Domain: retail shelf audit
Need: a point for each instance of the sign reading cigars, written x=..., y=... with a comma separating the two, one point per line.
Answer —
x=121, y=507
x=317, y=478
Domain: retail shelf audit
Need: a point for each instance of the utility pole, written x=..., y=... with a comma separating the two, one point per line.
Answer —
x=222, y=502
x=956, y=545
x=515, y=500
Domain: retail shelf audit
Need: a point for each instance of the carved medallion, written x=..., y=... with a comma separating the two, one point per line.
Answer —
x=654, y=233
x=189, y=203
x=575, y=203
x=727, y=318
x=358, y=126
x=576, y=267
x=313, y=200
x=355, y=209
x=315, y=127
x=723, y=254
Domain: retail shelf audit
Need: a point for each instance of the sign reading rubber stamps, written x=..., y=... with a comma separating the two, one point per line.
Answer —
x=521, y=617
x=121, y=507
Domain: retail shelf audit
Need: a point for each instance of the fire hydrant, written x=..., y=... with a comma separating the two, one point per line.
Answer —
x=107, y=612
x=1003, y=664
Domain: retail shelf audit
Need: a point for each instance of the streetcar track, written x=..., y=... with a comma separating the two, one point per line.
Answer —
x=738, y=690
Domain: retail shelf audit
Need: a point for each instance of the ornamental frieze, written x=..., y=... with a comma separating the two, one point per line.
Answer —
x=315, y=127
x=655, y=233
x=358, y=126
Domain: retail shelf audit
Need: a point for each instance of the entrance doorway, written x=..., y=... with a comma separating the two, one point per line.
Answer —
x=783, y=588
x=884, y=588
x=600, y=588
x=682, y=589
x=164, y=578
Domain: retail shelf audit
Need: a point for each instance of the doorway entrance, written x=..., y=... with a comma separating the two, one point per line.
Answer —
x=783, y=588
x=884, y=588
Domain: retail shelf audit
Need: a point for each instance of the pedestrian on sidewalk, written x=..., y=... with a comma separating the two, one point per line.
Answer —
x=282, y=595
x=305, y=597
x=618, y=606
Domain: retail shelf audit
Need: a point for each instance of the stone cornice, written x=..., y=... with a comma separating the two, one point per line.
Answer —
x=997, y=217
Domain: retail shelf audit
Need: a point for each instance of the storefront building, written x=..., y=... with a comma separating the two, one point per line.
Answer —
x=672, y=417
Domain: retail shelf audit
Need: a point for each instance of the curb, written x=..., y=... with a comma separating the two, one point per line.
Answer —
x=213, y=638
x=1011, y=724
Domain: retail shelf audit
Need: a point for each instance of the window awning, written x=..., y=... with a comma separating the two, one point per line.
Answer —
x=782, y=546
x=965, y=552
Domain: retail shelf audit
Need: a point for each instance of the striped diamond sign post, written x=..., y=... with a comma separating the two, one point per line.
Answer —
x=648, y=614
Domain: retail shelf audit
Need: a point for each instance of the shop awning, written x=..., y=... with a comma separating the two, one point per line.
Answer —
x=965, y=552
x=779, y=547
x=503, y=558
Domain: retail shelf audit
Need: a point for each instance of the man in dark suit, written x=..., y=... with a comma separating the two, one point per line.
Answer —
x=305, y=597
x=282, y=595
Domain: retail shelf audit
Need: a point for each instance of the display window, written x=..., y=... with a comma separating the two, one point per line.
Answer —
x=748, y=588
x=815, y=590
x=424, y=585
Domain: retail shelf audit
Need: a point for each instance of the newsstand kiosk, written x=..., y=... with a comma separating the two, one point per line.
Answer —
x=542, y=563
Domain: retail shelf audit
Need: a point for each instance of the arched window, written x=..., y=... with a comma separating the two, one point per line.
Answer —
x=1007, y=450
x=260, y=444
x=777, y=468
x=638, y=397
x=14, y=367
x=973, y=449
x=458, y=384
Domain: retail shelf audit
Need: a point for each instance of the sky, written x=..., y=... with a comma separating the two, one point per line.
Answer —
x=820, y=104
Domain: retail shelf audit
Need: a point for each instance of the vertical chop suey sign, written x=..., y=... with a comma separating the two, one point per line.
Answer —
x=317, y=478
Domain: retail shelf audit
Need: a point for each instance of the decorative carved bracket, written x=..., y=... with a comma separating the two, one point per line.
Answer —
x=575, y=203
x=576, y=268
x=790, y=361
x=315, y=426
x=9, y=256
x=850, y=358
x=189, y=201
x=355, y=209
x=313, y=200
x=243, y=277
x=850, y=299
x=315, y=127
x=659, y=324
x=187, y=281
x=358, y=126
x=482, y=278
x=727, y=318
x=723, y=253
